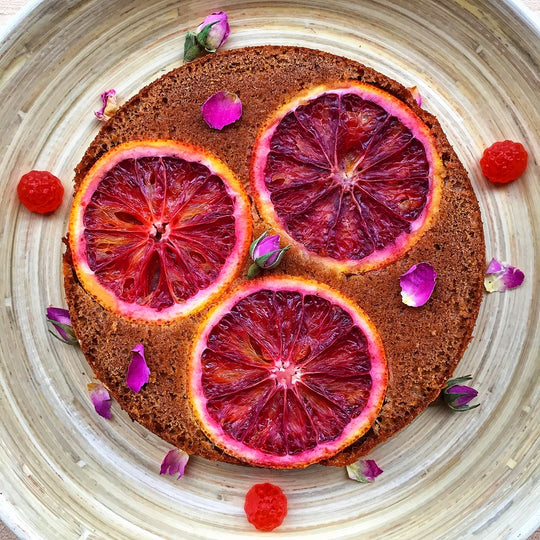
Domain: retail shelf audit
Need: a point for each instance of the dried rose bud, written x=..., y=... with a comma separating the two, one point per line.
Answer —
x=213, y=31
x=138, y=372
x=208, y=37
x=174, y=462
x=457, y=395
x=364, y=471
x=100, y=398
x=59, y=318
x=110, y=105
x=221, y=109
x=266, y=245
x=417, y=284
x=500, y=276
x=266, y=253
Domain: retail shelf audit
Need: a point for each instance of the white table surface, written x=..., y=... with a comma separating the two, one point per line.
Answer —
x=8, y=9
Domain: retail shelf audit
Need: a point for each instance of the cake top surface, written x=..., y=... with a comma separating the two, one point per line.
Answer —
x=423, y=345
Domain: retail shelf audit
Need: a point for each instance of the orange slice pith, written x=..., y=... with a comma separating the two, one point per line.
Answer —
x=286, y=372
x=350, y=173
x=158, y=229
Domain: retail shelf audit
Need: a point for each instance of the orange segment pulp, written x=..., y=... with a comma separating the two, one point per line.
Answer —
x=350, y=173
x=157, y=229
x=286, y=372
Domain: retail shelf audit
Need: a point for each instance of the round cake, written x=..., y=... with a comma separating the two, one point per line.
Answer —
x=422, y=345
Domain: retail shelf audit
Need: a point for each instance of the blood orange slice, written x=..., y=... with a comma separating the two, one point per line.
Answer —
x=286, y=372
x=158, y=229
x=350, y=173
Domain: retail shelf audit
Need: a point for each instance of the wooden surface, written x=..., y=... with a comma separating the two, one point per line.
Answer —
x=435, y=102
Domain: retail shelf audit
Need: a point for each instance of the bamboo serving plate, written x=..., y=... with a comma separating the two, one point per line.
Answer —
x=65, y=472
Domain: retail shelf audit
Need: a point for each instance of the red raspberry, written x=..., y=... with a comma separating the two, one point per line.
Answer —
x=504, y=161
x=265, y=506
x=40, y=191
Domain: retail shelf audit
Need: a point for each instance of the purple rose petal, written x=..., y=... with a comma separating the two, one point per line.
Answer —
x=101, y=399
x=494, y=266
x=218, y=32
x=138, y=372
x=364, y=470
x=59, y=318
x=110, y=105
x=417, y=284
x=174, y=462
x=501, y=276
x=221, y=109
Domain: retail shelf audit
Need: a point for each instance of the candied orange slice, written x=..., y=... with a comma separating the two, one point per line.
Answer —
x=350, y=173
x=286, y=372
x=158, y=229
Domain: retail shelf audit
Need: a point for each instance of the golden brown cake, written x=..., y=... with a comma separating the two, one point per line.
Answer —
x=423, y=345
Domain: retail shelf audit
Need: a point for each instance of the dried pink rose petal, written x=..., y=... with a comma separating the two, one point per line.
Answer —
x=494, y=266
x=138, y=372
x=501, y=276
x=59, y=318
x=221, y=109
x=101, y=399
x=416, y=95
x=174, y=462
x=417, y=284
x=110, y=105
x=213, y=31
x=364, y=470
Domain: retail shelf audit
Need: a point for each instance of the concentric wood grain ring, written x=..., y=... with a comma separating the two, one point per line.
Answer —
x=67, y=473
